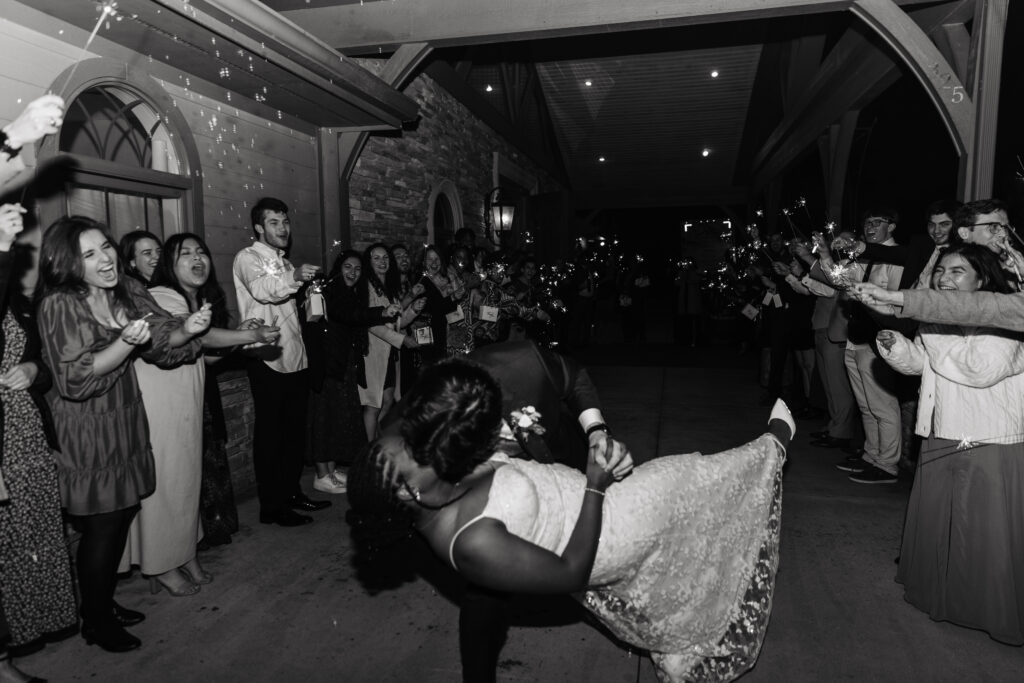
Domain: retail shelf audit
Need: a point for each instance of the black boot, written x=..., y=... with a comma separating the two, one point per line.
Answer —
x=110, y=636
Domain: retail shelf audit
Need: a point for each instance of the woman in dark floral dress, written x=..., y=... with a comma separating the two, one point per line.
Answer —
x=35, y=575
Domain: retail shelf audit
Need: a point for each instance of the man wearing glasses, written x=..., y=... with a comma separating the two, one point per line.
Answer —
x=986, y=222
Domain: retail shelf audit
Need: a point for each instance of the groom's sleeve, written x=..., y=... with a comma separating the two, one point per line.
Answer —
x=575, y=389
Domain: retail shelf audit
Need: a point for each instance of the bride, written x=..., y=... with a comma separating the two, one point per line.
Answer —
x=678, y=558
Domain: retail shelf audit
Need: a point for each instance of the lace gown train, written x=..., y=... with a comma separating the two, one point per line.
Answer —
x=689, y=548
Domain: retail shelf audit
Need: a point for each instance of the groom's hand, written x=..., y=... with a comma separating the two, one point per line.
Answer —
x=613, y=455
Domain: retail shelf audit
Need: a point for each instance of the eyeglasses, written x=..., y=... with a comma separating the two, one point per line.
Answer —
x=875, y=222
x=992, y=225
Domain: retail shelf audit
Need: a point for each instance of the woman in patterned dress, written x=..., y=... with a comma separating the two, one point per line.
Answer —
x=35, y=575
x=688, y=546
x=93, y=321
x=36, y=596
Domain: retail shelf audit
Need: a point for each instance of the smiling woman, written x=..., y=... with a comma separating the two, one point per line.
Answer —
x=93, y=321
x=962, y=539
x=163, y=538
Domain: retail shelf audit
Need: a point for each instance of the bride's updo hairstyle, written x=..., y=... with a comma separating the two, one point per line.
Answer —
x=453, y=417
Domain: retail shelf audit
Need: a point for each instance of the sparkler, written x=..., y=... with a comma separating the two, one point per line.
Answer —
x=106, y=9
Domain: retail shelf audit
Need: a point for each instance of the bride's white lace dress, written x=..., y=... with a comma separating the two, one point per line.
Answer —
x=689, y=544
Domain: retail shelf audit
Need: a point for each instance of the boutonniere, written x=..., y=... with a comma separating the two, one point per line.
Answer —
x=526, y=421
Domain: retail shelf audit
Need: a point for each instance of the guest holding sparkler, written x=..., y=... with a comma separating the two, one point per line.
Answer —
x=337, y=346
x=873, y=382
x=962, y=540
x=93, y=321
x=377, y=392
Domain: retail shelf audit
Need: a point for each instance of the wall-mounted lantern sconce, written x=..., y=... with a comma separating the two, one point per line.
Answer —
x=498, y=215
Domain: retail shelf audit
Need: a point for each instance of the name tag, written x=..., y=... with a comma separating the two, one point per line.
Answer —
x=749, y=311
x=455, y=316
x=489, y=313
x=424, y=336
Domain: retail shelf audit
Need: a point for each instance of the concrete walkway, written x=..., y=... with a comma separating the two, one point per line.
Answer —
x=286, y=606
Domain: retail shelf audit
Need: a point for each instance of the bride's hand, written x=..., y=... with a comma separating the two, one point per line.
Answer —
x=611, y=455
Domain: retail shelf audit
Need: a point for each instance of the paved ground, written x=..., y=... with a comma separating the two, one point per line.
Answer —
x=285, y=605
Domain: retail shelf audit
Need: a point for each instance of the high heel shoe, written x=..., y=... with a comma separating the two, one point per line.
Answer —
x=110, y=636
x=155, y=585
x=204, y=577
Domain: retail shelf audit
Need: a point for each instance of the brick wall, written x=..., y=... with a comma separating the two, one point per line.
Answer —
x=238, y=415
x=390, y=187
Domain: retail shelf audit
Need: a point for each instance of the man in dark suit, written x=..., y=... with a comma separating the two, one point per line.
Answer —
x=919, y=255
x=561, y=391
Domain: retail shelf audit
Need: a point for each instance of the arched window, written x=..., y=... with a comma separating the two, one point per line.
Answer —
x=116, y=135
x=127, y=165
x=445, y=217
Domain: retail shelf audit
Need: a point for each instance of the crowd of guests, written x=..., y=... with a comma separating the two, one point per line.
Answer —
x=940, y=388
x=104, y=375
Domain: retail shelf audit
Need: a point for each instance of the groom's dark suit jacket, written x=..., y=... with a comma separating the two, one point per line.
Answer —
x=558, y=387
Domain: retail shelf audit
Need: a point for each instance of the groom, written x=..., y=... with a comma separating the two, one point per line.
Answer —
x=570, y=412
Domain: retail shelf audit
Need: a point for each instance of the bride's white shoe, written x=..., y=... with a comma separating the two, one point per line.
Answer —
x=780, y=411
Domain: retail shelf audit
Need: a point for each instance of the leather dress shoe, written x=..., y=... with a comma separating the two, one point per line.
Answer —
x=301, y=501
x=125, y=616
x=819, y=435
x=831, y=442
x=110, y=636
x=285, y=518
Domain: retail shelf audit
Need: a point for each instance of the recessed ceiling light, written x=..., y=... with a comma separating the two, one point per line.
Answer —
x=488, y=88
x=588, y=83
x=714, y=74
x=600, y=159
x=705, y=152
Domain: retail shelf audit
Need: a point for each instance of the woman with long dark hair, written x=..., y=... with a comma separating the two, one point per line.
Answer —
x=162, y=541
x=963, y=539
x=377, y=392
x=140, y=252
x=93, y=322
x=336, y=347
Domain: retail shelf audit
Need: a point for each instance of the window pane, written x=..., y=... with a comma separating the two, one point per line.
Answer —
x=154, y=216
x=86, y=202
x=127, y=213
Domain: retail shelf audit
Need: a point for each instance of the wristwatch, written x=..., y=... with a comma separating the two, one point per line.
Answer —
x=598, y=427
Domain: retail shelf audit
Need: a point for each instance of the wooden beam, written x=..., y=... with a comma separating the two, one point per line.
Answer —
x=917, y=51
x=984, y=72
x=954, y=42
x=369, y=27
x=398, y=71
x=852, y=75
x=260, y=30
x=836, y=162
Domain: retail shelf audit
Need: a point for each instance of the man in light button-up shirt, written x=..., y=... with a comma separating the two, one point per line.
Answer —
x=266, y=285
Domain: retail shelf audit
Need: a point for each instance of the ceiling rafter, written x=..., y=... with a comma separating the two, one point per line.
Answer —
x=375, y=26
x=853, y=73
